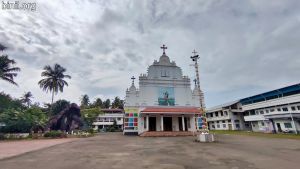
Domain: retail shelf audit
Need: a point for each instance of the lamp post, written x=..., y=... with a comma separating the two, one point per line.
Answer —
x=195, y=58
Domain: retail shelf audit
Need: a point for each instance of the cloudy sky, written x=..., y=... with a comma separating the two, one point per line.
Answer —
x=246, y=47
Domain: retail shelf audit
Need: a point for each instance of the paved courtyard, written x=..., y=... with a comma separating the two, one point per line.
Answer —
x=113, y=150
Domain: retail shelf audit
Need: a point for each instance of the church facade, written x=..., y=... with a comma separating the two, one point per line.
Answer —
x=164, y=101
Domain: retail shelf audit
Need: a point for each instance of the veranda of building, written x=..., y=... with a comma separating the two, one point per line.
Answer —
x=163, y=102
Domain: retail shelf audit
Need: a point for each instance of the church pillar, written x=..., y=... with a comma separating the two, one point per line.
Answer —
x=183, y=126
x=147, y=122
x=162, y=123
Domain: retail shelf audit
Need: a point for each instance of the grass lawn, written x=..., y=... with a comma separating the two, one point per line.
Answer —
x=249, y=133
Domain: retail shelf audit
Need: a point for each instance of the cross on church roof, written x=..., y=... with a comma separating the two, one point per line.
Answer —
x=164, y=48
x=132, y=78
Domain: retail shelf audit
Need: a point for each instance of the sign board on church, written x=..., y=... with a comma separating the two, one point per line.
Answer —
x=166, y=96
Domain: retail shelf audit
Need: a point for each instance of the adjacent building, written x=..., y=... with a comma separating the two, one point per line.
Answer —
x=163, y=102
x=273, y=111
x=228, y=116
x=108, y=118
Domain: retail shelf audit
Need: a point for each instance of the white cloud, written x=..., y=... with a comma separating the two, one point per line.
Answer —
x=246, y=47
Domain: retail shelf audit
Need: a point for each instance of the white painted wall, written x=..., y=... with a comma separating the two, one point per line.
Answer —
x=273, y=102
x=149, y=85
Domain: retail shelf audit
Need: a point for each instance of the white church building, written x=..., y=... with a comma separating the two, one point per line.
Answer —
x=163, y=101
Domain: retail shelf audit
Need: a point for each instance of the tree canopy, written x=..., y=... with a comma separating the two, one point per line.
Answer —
x=19, y=121
x=58, y=106
x=26, y=98
x=84, y=101
x=7, y=69
x=53, y=79
x=90, y=115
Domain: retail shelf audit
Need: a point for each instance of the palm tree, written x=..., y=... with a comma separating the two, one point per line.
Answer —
x=54, y=79
x=7, y=71
x=26, y=98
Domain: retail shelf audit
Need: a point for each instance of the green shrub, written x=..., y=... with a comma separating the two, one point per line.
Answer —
x=92, y=131
x=55, y=134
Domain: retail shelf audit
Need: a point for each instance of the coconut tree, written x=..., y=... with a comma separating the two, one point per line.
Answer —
x=53, y=79
x=26, y=98
x=7, y=70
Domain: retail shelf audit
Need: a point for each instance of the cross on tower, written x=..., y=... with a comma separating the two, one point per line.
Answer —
x=195, y=57
x=195, y=81
x=132, y=78
x=164, y=48
x=194, y=52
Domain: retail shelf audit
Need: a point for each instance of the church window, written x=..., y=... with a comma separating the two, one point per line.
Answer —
x=164, y=73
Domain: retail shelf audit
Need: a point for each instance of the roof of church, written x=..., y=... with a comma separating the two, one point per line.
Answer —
x=164, y=60
x=172, y=110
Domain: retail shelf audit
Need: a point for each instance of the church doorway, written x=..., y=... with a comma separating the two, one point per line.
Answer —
x=152, y=123
x=167, y=123
x=180, y=124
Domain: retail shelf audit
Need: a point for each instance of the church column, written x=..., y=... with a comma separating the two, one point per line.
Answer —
x=162, y=122
x=183, y=126
x=147, y=122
